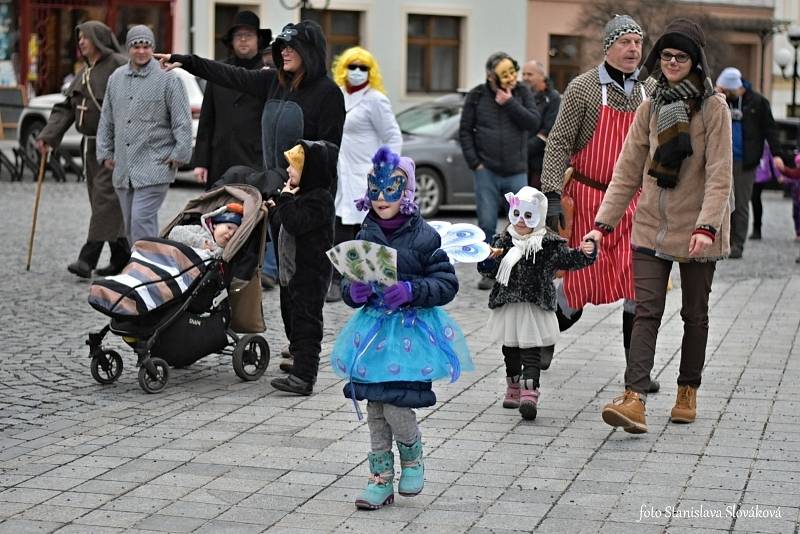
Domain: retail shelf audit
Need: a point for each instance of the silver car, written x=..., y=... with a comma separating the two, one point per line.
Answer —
x=35, y=115
x=430, y=138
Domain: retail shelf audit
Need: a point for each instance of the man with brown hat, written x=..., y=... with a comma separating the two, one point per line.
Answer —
x=596, y=112
x=229, y=129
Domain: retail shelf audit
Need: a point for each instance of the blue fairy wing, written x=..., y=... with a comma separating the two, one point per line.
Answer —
x=463, y=234
x=440, y=227
x=471, y=253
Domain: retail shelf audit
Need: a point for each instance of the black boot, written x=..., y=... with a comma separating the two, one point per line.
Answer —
x=546, y=357
x=564, y=322
x=120, y=254
x=756, y=233
x=87, y=259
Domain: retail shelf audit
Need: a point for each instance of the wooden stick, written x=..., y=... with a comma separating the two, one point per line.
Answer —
x=39, y=180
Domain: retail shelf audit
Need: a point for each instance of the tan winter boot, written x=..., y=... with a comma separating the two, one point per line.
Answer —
x=626, y=411
x=685, y=409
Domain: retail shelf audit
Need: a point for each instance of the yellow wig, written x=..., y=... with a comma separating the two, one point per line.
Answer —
x=358, y=55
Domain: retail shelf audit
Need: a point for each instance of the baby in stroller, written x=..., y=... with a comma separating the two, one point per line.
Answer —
x=216, y=228
x=186, y=296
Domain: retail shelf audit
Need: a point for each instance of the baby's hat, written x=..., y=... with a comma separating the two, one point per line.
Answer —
x=229, y=213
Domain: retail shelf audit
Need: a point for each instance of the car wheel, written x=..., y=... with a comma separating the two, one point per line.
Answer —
x=29, y=133
x=430, y=191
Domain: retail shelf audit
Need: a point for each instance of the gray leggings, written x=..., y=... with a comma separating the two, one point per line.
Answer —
x=387, y=420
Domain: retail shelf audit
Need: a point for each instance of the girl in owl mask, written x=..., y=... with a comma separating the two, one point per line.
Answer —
x=400, y=340
x=524, y=260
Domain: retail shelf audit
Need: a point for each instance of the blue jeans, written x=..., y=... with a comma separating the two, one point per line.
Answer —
x=490, y=189
x=270, y=264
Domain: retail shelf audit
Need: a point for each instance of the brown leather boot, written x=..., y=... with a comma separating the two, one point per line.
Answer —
x=626, y=411
x=685, y=409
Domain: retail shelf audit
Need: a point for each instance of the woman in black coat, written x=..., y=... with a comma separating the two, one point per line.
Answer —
x=300, y=102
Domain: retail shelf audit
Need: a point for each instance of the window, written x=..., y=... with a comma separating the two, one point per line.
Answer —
x=433, y=50
x=223, y=19
x=341, y=29
x=565, y=59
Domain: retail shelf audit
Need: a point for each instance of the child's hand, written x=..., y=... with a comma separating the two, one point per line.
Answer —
x=588, y=246
x=398, y=294
x=496, y=252
x=270, y=203
x=289, y=188
x=360, y=292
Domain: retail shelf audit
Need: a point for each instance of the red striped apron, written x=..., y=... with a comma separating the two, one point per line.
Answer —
x=609, y=279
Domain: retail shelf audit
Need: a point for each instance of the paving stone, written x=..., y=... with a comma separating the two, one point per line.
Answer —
x=213, y=454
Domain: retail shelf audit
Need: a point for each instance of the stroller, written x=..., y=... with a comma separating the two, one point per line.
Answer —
x=174, y=306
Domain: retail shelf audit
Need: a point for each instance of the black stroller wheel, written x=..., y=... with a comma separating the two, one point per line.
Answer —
x=153, y=383
x=107, y=367
x=251, y=357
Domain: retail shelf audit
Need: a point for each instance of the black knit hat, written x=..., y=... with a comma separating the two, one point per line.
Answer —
x=248, y=19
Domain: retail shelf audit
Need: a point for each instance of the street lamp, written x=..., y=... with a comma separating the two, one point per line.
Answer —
x=784, y=56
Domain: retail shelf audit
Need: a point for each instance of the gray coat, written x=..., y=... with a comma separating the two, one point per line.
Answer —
x=145, y=122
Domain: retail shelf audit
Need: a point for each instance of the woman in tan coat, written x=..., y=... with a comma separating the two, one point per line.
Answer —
x=678, y=152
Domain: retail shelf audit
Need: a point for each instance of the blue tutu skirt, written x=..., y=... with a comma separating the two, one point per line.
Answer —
x=411, y=344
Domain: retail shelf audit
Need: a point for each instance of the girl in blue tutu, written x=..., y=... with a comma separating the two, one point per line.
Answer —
x=399, y=341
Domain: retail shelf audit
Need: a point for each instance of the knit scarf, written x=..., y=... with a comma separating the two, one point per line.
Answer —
x=672, y=125
x=524, y=246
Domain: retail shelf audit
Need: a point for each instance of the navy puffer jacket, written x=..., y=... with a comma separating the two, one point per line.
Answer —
x=433, y=283
x=419, y=261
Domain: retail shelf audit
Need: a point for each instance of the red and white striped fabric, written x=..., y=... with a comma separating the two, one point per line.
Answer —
x=609, y=279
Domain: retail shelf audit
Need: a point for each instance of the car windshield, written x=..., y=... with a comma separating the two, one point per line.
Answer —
x=434, y=120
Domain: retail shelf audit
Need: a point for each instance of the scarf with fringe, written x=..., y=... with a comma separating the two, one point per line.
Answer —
x=524, y=246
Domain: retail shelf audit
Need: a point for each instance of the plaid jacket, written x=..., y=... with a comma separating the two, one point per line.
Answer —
x=577, y=120
x=145, y=122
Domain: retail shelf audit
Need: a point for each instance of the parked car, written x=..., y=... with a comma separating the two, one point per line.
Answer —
x=430, y=138
x=35, y=115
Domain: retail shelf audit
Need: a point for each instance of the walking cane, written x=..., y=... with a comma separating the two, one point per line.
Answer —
x=39, y=180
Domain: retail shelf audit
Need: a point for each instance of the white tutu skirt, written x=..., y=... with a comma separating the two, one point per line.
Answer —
x=523, y=325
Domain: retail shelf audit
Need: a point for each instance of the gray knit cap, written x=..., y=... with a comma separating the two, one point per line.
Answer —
x=140, y=34
x=617, y=27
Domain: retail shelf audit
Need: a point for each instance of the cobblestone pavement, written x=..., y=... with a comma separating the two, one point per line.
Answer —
x=212, y=454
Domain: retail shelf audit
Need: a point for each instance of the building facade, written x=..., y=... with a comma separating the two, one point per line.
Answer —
x=424, y=48
x=740, y=33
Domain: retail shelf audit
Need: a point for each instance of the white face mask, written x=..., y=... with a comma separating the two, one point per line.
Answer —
x=356, y=77
x=527, y=210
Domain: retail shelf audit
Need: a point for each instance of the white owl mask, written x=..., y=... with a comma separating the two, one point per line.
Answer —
x=530, y=205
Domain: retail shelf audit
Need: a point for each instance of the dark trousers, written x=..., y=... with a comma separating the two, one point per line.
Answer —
x=742, y=191
x=525, y=362
x=650, y=275
x=758, y=207
x=301, y=312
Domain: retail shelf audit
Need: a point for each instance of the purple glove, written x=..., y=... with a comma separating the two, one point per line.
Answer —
x=360, y=292
x=397, y=295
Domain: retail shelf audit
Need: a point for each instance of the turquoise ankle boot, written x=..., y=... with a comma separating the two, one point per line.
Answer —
x=380, y=489
x=412, y=475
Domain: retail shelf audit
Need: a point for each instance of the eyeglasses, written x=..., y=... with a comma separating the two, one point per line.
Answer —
x=666, y=57
x=362, y=68
x=244, y=35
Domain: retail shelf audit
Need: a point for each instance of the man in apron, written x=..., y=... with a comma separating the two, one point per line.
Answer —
x=102, y=54
x=596, y=111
